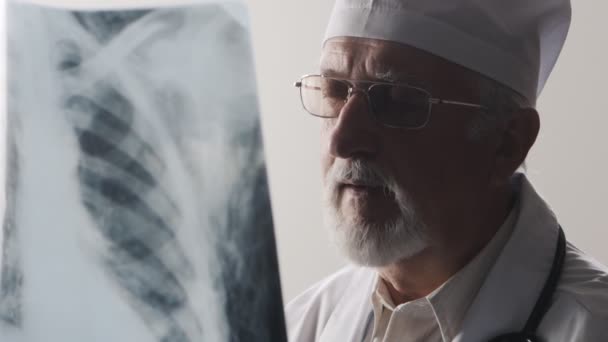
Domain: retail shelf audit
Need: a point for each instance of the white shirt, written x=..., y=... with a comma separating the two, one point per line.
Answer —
x=438, y=316
x=338, y=307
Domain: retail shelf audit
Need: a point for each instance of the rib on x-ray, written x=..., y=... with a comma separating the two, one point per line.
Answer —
x=137, y=205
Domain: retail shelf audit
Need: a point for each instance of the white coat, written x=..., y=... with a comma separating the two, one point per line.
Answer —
x=337, y=309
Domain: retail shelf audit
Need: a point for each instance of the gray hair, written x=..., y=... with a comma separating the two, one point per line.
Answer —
x=500, y=102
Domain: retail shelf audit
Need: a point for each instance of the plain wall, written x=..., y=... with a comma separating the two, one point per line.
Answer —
x=568, y=164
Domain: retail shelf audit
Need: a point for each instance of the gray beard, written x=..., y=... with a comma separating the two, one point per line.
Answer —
x=372, y=244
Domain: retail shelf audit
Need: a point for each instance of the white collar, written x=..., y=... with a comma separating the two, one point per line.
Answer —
x=514, y=283
x=451, y=300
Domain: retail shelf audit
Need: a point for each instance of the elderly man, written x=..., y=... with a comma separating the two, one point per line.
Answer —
x=429, y=111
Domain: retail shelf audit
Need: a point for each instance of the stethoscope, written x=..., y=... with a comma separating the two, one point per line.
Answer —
x=528, y=334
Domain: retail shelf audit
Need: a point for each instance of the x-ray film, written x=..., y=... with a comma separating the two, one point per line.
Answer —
x=137, y=204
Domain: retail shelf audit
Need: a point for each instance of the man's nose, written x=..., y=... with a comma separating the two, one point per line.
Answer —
x=355, y=132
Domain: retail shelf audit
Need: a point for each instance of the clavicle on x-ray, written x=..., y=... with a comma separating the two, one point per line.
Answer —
x=137, y=205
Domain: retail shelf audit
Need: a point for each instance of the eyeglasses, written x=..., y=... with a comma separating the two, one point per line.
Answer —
x=392, y=104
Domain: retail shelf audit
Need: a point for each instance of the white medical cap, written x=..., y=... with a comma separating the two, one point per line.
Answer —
x=515, y=42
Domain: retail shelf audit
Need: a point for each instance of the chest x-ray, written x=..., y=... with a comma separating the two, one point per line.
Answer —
x=137, y=205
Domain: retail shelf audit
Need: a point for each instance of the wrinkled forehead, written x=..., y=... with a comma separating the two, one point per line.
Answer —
x=374, y=59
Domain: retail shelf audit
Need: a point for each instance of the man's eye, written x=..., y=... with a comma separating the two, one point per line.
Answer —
x=382, y=97
x=335, y=90
x=409, y=96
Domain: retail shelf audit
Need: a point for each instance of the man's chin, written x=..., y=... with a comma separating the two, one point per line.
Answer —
x=374, y=216
x=373, y=243
x=366, y=225
x=379, y=255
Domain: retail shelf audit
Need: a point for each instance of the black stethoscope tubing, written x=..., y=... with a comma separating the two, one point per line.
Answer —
x=528, y=333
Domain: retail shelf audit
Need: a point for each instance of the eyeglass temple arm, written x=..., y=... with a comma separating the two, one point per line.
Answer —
x=457, y=103
x=300, y=85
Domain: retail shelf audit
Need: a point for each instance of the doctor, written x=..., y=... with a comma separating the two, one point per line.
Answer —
x=428, y=110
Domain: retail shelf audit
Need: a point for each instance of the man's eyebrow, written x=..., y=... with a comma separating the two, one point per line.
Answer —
x=395, y=76
x=389, y=76
x=328, y=71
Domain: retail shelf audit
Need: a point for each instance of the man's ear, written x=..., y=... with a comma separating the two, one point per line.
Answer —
x=518, y=136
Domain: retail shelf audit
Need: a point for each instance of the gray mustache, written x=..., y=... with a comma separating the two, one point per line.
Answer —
x=359, y=172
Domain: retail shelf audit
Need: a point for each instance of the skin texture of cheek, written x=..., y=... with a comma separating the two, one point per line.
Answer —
x=439, y=168
x=325, y=158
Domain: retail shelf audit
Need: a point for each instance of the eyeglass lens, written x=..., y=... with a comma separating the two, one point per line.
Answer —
x=393, y=105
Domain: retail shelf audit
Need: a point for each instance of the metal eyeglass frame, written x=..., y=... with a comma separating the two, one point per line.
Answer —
x=352, y=88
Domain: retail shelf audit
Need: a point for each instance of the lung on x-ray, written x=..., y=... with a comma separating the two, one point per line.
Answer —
x=137, y=204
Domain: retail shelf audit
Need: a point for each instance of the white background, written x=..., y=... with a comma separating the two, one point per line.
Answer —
x=568, y=164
